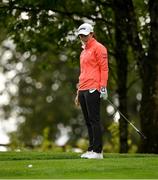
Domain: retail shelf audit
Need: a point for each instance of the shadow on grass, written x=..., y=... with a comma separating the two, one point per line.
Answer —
x=30, y=155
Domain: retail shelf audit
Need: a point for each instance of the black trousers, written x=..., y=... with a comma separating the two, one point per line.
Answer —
x=90, y=105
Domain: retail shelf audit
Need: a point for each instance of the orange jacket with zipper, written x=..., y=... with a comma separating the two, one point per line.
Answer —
x=93, y=66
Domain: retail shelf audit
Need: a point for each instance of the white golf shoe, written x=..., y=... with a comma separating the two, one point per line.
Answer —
x=94, y=155
x=84, y=155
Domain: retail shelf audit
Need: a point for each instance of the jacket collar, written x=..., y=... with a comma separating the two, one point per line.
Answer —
x=89, y=43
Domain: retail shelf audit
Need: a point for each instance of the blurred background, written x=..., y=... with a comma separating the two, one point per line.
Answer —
x=39, y=69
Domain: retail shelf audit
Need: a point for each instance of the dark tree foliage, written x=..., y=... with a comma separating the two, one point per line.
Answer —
x=48, y=53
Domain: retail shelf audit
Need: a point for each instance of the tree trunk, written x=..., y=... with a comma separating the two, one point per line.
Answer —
x=149, y=105
x=121, y=50
x=148, y=66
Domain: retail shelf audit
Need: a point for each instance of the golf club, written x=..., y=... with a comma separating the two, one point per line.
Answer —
x=138, y=131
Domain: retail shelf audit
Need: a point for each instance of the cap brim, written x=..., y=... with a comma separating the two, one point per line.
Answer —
x=83, y=32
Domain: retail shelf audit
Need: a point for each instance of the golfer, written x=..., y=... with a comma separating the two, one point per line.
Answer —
x=91, y=87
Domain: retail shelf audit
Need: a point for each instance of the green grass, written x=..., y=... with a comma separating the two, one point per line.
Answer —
x=49, y=165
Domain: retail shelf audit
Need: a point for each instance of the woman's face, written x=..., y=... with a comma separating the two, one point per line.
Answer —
x=84, y=38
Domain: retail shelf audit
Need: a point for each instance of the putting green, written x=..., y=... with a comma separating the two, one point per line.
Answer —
x=49, y=165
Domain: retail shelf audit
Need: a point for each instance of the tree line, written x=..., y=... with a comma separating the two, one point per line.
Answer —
x=48, y=51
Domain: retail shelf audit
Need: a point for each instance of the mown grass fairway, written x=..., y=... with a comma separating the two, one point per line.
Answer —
x=47, y=165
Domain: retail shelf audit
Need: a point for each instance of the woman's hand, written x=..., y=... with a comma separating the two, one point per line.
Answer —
x=77, y=101
x=103, y=93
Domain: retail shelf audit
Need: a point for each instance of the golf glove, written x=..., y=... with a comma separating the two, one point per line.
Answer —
x=103, y=93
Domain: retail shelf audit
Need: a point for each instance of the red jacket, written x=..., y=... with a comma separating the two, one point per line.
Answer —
x=93, y=66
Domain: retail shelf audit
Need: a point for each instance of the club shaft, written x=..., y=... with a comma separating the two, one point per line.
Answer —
x=115, y=107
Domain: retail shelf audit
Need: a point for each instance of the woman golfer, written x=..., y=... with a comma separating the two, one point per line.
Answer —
x=91, y=87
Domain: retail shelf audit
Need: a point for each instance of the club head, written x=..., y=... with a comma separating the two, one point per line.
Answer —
x=142, y=135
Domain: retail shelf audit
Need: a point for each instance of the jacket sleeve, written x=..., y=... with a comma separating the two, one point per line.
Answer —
x=102, y=59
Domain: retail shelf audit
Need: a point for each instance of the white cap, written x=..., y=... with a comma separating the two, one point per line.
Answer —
x=85, y=29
